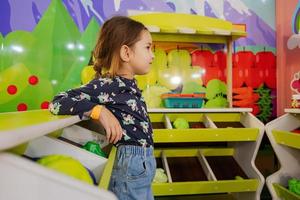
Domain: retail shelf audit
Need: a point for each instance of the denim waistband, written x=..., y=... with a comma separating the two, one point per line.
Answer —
x=135, y=150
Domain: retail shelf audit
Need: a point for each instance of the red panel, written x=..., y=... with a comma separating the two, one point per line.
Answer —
x=244, y=59
x=219, y=60
x=265, y=60
x=211, y=73
x=270, y=77
x=237, y=77
x=254, y=77
x=202, y=58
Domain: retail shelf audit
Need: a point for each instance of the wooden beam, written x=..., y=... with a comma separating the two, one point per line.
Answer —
x=229, y=72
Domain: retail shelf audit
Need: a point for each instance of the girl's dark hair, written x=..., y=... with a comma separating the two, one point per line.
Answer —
x=114, y=33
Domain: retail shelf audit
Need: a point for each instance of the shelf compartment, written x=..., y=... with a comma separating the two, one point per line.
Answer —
x=158, y=125
x=193, y=152
x=185, y=169
x=206, y=167
x=166, y=166
x=161, y=121
x=188, y=187
x=226, y=120
x=229, y=124
x=165, y=121
x=225, y=167
x=284, y=193
x=196, y=125
x=209, y=134
x=70, y=141
x=38, y=182
x=81, y=135
x=287, y=138
x=193, y=125
x=46, y=146
x=197, y=178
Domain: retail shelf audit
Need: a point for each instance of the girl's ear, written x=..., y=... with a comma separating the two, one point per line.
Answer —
x=125, y=53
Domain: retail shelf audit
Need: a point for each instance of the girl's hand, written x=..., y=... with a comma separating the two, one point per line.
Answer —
x=114, y=131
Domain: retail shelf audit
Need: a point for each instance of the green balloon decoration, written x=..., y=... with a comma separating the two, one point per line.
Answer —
x=14, y=77
x=17, y=46
x=82, y=54
x=36, y=65
x=1, y=53
x=57, y=39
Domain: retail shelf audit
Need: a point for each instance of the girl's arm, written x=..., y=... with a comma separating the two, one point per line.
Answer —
x=81, y=100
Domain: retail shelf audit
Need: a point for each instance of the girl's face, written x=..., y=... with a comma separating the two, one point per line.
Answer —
x=142, y=55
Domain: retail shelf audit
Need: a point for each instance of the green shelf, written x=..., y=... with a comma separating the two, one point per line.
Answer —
x=189, y=187
x=284, y=193
x=205, y=135
x=287, y=138
x=17, y=128
x=14, y=120
x=203, y=29
x=204, y=187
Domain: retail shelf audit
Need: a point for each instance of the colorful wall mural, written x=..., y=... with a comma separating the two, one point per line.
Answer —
x=288, y=47
x=45, y=45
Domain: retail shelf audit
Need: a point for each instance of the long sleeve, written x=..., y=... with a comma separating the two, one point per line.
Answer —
x=83, y=99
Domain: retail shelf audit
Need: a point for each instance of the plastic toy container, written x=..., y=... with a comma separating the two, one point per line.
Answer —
x=183, y=100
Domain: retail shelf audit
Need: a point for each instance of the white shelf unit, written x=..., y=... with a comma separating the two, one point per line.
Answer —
x=22, y=178
x=286, y=145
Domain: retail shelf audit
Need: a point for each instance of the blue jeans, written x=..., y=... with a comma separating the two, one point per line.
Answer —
x=133, y=172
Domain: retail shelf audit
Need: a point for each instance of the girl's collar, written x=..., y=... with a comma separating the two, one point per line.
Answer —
x=122, y=77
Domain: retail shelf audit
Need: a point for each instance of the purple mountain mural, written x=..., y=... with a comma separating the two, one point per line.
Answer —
x=259, y=33
x=25, y=14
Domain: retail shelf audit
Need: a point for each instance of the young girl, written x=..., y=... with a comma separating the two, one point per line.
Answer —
x=123, y=49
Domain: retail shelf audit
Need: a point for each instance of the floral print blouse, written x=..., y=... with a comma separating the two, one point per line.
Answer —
x=119, y=95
